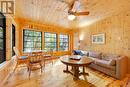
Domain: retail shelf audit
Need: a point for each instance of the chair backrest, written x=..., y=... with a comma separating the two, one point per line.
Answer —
x=51, y=52
x=35, y=57
x=17, y=53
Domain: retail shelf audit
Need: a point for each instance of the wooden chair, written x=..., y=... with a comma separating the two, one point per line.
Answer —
x=20, y=59
x=35, y=61
x=48, y=56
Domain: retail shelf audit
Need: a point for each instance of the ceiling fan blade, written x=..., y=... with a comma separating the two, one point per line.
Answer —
x=76, y=6
x=81, y=13
x=71, y=5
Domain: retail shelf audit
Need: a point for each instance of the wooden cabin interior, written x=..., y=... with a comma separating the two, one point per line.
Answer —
x=62, y=36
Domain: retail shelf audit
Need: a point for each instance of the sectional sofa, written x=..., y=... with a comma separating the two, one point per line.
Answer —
x=110, y=64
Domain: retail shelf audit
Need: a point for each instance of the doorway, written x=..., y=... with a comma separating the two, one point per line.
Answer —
x=13, y=39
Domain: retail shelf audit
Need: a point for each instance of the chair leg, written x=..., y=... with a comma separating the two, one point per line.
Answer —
x=15, y=67
x=44, y=64
x=52, y=61
x=41, y=67
x=29, y=72
x=28, y=68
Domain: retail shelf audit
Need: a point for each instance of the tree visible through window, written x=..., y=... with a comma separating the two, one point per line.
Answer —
x=64, y=42
x=2, y=38
x=32, y=40
x=50, y=41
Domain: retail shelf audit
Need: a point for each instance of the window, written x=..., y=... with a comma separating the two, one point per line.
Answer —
x=64, y=42
x=50, y=41
x=2, y=38
x=32, y=40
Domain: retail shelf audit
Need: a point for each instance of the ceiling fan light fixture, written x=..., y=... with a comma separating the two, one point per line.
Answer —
x=71, y=17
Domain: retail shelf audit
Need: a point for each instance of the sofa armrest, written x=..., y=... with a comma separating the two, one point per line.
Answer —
x=121, y=67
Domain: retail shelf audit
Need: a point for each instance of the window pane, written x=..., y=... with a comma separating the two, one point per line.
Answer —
x=47, y=34
x=37, y=39
x=28, y=32
x=37, y=45
x=32, y=40
x=64, y=42
x=28, y=38
x=50, y=42
x=1, y=44
x=37, y=33
x=1, y=32
x=28, y=44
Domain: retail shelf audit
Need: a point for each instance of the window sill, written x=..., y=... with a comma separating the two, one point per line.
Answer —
x=3, y=64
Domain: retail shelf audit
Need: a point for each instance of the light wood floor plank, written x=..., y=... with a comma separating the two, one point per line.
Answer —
x=53, y=76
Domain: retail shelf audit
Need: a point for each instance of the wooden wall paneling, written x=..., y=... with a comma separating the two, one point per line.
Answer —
x=117, y=31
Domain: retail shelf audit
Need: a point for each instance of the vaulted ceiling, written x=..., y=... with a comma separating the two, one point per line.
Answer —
x=55, y=11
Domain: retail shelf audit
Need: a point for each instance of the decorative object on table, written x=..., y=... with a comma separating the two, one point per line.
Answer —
x=75, y=57
x=98, y=39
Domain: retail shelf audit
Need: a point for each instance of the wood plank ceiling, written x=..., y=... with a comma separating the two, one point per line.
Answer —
x=55, y=11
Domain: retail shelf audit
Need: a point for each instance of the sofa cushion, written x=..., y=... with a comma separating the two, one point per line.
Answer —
x=105, y=64
x=110, y=56
x=95, y=54
x=85, y=53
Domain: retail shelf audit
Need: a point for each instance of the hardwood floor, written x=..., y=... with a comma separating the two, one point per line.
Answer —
x=53, y=76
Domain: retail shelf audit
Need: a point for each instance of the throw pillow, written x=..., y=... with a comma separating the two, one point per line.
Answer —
x=95, y=54
x=85, y=53
x=77, y=52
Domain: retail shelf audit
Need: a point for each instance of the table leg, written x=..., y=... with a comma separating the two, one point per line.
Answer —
x=84, y=73
x=76, y=73
x=67, y=70
x=83, y=69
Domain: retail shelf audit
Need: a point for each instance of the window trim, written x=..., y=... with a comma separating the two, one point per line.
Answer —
x=30, y=36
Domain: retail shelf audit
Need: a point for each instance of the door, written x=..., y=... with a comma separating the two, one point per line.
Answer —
x=13, y=39
x=2, y=38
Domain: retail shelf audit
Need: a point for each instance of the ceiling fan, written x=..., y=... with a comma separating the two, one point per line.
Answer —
x=73, y=7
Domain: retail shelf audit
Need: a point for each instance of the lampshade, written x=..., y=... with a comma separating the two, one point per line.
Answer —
x=71, y=17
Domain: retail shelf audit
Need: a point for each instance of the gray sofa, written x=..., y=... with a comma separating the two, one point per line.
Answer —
x=110, y=64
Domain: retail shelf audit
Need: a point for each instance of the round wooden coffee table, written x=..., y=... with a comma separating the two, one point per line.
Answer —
x=83, y=62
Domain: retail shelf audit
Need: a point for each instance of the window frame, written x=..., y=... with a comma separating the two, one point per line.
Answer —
x=31, y=36
x=51, y=42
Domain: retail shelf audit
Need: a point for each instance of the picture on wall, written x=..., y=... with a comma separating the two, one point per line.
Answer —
x=98, y=39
